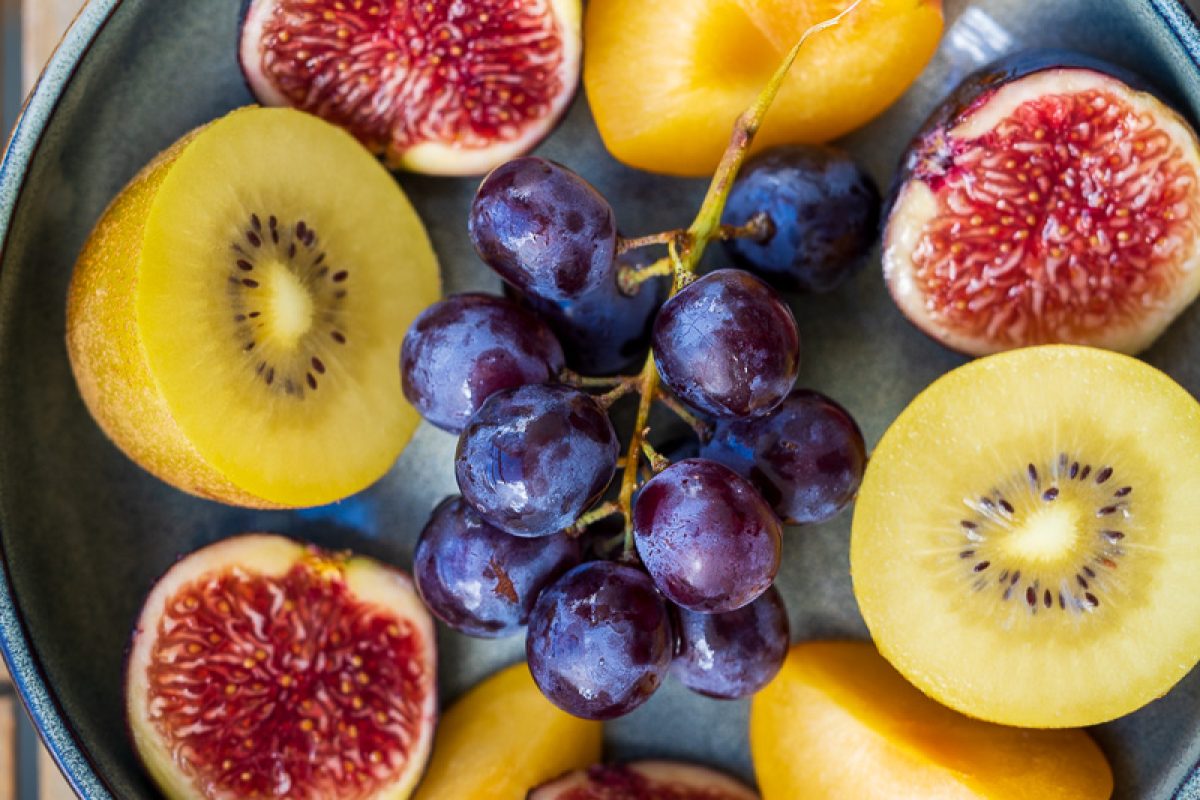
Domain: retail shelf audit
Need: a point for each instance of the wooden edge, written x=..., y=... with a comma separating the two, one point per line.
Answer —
x=43, y=23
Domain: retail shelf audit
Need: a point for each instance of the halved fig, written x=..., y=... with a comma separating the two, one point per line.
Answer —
x=1047, y=200
x=644, y=780
x=261, y=667
x=445, y=87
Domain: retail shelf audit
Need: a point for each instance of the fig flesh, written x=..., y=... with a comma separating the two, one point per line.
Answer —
x=264, y=668
x=444, y=87
x=1047, y=201
x=644, y=780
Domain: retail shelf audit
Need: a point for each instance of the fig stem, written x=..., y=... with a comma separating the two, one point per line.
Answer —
x=630, y=278
x=701, y=428
x=687, y=249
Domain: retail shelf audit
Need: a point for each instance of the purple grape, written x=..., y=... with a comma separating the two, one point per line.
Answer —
x=461, y=351
x=604, y=331
x=544, y=229
x=534, y=458
x=706, y=536
x=599, y=642
x=478, y=579
x=727, y=345
x=806, y=457
x=734, y=654
x=823, y=212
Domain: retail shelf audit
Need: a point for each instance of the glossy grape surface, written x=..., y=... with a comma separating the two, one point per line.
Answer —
x=806, y=457
x=599, y=642
x=480, y=580
x=734, y=654
x=706, y=536
x=544, y=229
x=605, y=331
x=462, y=350
x=727, y=345
x=823, y=211
x=534, y=458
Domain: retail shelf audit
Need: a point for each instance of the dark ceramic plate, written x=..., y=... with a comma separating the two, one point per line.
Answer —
x=84, y=532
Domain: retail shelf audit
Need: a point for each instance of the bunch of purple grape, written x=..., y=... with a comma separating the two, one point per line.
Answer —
x=694, y=593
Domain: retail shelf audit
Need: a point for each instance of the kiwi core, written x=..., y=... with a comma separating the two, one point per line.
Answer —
x=1049, y=536
x=291, y=305
x=1046, y=534
x=288, y=297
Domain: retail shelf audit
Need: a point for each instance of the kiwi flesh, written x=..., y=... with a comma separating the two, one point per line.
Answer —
x=234, y=322
x=1027, y=534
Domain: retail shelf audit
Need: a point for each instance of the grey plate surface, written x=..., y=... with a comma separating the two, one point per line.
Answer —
x=84, y=532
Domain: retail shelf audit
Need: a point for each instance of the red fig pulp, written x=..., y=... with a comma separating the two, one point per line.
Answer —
x=450, y=87
x=264, y=668
x=1054, y=205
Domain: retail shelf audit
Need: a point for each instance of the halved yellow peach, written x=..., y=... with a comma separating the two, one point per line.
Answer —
x=838, y=722
x=502, y=739
x=666, y=79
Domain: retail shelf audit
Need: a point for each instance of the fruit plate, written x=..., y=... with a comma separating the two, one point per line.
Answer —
x=84, y=532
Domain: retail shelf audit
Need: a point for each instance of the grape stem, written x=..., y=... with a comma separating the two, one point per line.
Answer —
x=614, y=394
x=648, y=385
x=629, y=278
x=638, y=242
x=572, y=378
x=758, y=228
x=708, y=220
x=685, y=249
x=598, y=513
x=698, y=425
x=657, y=461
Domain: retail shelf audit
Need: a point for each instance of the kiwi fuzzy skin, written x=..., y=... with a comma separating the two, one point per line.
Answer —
x=107, y=354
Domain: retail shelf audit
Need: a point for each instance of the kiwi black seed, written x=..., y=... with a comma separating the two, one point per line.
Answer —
x=266, y=239
x=1074, y=581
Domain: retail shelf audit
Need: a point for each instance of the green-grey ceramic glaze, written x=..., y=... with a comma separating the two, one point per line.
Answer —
x=84, y=532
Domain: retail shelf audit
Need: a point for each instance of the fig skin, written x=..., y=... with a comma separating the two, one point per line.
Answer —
x=968, y=96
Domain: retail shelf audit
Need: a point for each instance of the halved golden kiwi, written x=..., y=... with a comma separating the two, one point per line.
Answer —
x=1026, y=541
x=235, y=320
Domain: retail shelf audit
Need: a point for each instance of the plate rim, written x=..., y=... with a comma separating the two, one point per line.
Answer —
x=28, y=674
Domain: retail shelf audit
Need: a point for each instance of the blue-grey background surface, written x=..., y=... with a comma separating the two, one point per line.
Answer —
x=84, y=532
